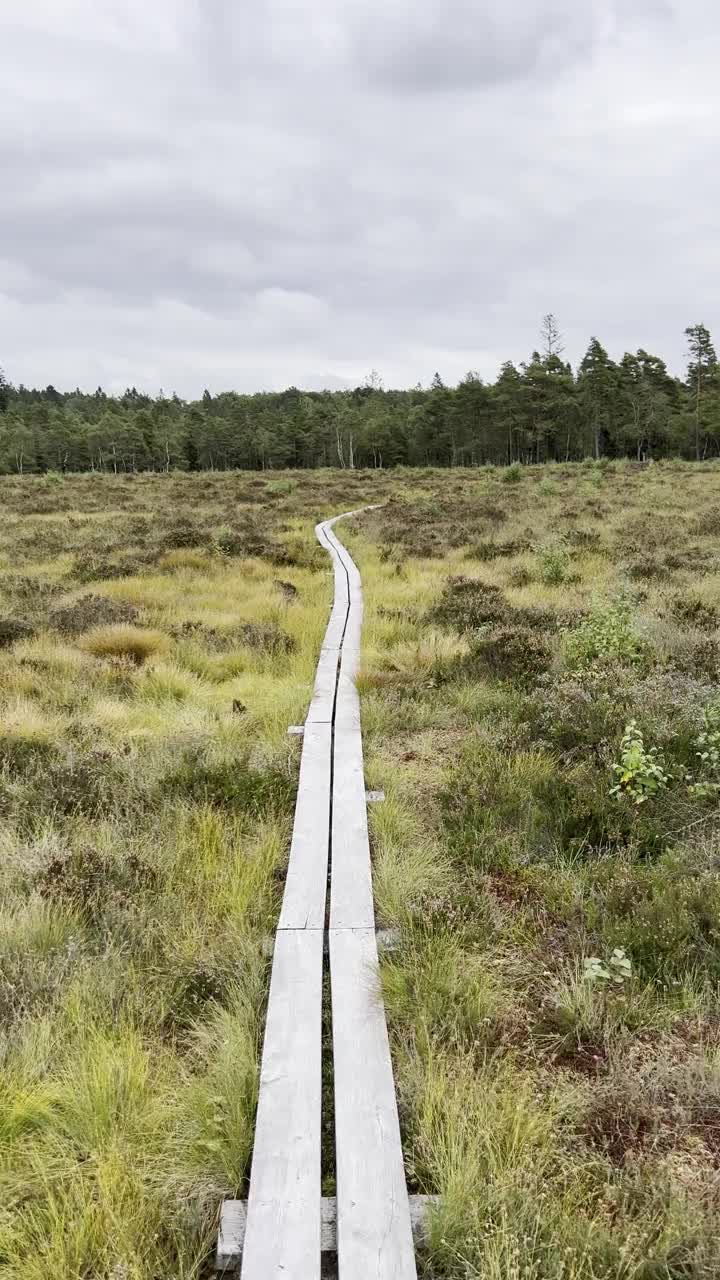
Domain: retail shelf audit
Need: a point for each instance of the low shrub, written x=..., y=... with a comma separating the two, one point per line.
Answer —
x=584, y=539
x=30, y=594
x=91, y=611
x=91, y=882
x=694, y=653
x=641, y=771
x=605, y=634
x=643, y=568
x=489, y=550
x=265, y=637
x=511, y=653
x=553, y=563
x=519, y=576
x=665, y=912
x=91, y=784
x=707, y=523
x=579, y=711
x=182, y=533
x=233, y=542
x=691, y=611
x=14, y=629
x=511, y=474
x=92, y=566
x=468, y=604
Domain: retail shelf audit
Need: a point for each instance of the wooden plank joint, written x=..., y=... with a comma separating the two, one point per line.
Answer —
x=233, y=1217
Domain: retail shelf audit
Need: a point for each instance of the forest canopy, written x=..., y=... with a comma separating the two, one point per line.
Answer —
x=542, y=410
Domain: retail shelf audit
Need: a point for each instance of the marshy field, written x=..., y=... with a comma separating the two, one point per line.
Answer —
x=541, y=706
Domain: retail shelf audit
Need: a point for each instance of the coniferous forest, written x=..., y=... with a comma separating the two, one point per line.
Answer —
x=542, y=410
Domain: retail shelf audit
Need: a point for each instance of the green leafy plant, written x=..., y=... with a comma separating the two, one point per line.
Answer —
x=616, y=970
x=511, y=474
x=708, y=754
x=607, y=633
x=553, y=562
x=640, y=772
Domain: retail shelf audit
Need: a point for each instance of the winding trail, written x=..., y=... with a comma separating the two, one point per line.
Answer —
x=329, y=849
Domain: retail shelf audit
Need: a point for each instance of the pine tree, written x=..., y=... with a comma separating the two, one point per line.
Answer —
x=4, y=392
x=552, y=342
x=702, y=368
x=598, y=384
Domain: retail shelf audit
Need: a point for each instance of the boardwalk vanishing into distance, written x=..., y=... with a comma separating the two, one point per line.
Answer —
x=286, y=1225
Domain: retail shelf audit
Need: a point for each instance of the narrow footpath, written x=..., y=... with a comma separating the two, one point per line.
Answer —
x=327, y=917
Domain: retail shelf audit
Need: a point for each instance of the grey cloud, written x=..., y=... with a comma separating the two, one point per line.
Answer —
x=463, y=44
x=285, y=192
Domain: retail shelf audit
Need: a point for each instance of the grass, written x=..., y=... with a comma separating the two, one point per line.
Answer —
x=157, y=636
x=572, y=600
x=146, y=794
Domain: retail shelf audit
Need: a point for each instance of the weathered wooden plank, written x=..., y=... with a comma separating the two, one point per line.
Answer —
x=231, y=1235
x=282, y=1235
x=351, y=895
x=347, y=705
x=306, y=881
x=232, y=1227
x=335, y=628
x=387, y=940
x=282, y=1230
x=322, y=701
x=374, y=1235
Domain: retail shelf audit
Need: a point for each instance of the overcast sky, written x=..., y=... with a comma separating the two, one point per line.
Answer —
x=254, y=193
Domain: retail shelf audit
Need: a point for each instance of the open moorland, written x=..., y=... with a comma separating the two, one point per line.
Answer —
x=540, y=704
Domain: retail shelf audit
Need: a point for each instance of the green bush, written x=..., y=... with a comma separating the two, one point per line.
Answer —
x=553, y=563
x=510, y=653
x=511, y=474
x=468, y=604
x=640, y=772
x=708, y=754
x=607, y=633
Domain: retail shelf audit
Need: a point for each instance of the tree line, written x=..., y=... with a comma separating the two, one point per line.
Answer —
x=541, y=410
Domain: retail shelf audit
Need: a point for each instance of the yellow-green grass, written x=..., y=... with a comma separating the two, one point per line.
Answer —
x=146, y=783
x=568, y=1123
x=507, y=865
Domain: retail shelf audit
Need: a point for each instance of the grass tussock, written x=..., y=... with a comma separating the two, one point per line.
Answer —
x=138, y=644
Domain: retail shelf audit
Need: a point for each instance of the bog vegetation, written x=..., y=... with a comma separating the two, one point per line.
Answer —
x=541, y=411
x=541, y=705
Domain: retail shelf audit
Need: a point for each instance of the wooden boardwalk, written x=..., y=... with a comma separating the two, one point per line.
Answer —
x=282, y=1227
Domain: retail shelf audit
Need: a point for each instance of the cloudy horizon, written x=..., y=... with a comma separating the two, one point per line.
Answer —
x=249, y=197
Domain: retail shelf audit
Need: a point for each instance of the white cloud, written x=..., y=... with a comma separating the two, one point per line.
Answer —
x=253, y=195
